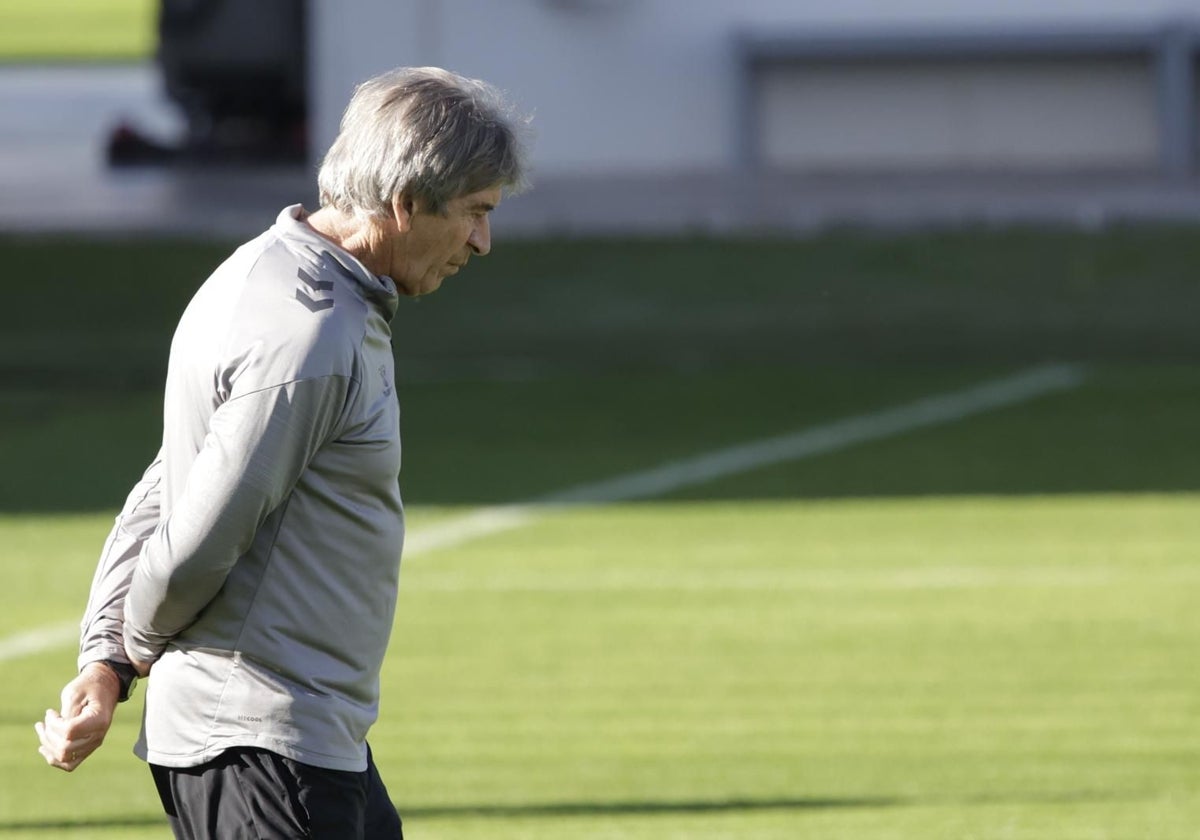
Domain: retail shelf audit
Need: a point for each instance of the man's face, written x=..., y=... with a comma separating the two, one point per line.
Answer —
x=438, y=245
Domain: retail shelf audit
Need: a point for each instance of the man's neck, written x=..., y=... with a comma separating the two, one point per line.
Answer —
x=364, y=239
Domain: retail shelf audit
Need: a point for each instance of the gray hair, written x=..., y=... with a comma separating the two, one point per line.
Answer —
x=426, y=133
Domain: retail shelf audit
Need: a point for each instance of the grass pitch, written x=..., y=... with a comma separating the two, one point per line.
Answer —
x=980, y=630
x=925, y=668
x=733, y=664
x=77, y=30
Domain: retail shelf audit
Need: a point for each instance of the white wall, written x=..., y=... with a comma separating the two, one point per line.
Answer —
x=626, y=85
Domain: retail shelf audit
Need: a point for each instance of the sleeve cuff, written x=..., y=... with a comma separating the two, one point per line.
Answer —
x=142, y=649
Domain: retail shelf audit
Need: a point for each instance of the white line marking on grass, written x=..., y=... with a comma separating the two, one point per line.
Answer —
x=806, y=443
x=38, y=640
x=469, y=526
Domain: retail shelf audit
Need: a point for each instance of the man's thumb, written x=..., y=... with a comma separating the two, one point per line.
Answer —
x=73, y=701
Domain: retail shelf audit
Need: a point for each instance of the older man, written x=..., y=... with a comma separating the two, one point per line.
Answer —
x=253, y=570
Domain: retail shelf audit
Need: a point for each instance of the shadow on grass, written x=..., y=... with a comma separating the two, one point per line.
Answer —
x=597, y=809
x=1123, y=430
x=602, y=809
x=516, y=811
x=536, y=376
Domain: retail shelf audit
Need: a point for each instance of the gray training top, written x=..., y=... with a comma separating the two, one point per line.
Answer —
x=259, y=556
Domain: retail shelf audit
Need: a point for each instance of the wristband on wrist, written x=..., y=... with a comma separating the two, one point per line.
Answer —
x=126, y=674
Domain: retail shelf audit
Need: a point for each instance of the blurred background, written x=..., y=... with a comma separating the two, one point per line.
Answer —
x=670, y=116
x=812, y=457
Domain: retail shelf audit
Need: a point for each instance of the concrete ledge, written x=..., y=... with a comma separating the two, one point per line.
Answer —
x=1171, y=46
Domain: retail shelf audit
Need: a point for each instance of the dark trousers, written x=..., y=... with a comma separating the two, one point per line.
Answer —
x=253, y=794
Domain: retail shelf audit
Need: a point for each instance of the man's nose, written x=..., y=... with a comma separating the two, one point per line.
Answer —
x=480, y=239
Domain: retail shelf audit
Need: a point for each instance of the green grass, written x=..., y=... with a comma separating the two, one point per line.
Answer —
x=883, y=665
x=925, y=668
x=979, y=630
x=77, y=30
x=478, y=442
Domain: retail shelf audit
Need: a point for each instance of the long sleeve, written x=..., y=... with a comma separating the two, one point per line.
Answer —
x=255, y=450
x=102, y=626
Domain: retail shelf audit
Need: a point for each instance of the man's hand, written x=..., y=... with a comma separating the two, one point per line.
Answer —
x=88, y=702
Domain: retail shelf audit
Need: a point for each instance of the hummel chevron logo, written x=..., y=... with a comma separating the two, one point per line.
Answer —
x=314, y=294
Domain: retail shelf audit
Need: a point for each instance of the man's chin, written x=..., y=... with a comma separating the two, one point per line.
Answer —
x=426, y=288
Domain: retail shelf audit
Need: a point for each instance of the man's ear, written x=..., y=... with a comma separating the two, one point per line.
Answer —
x=403, y=210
